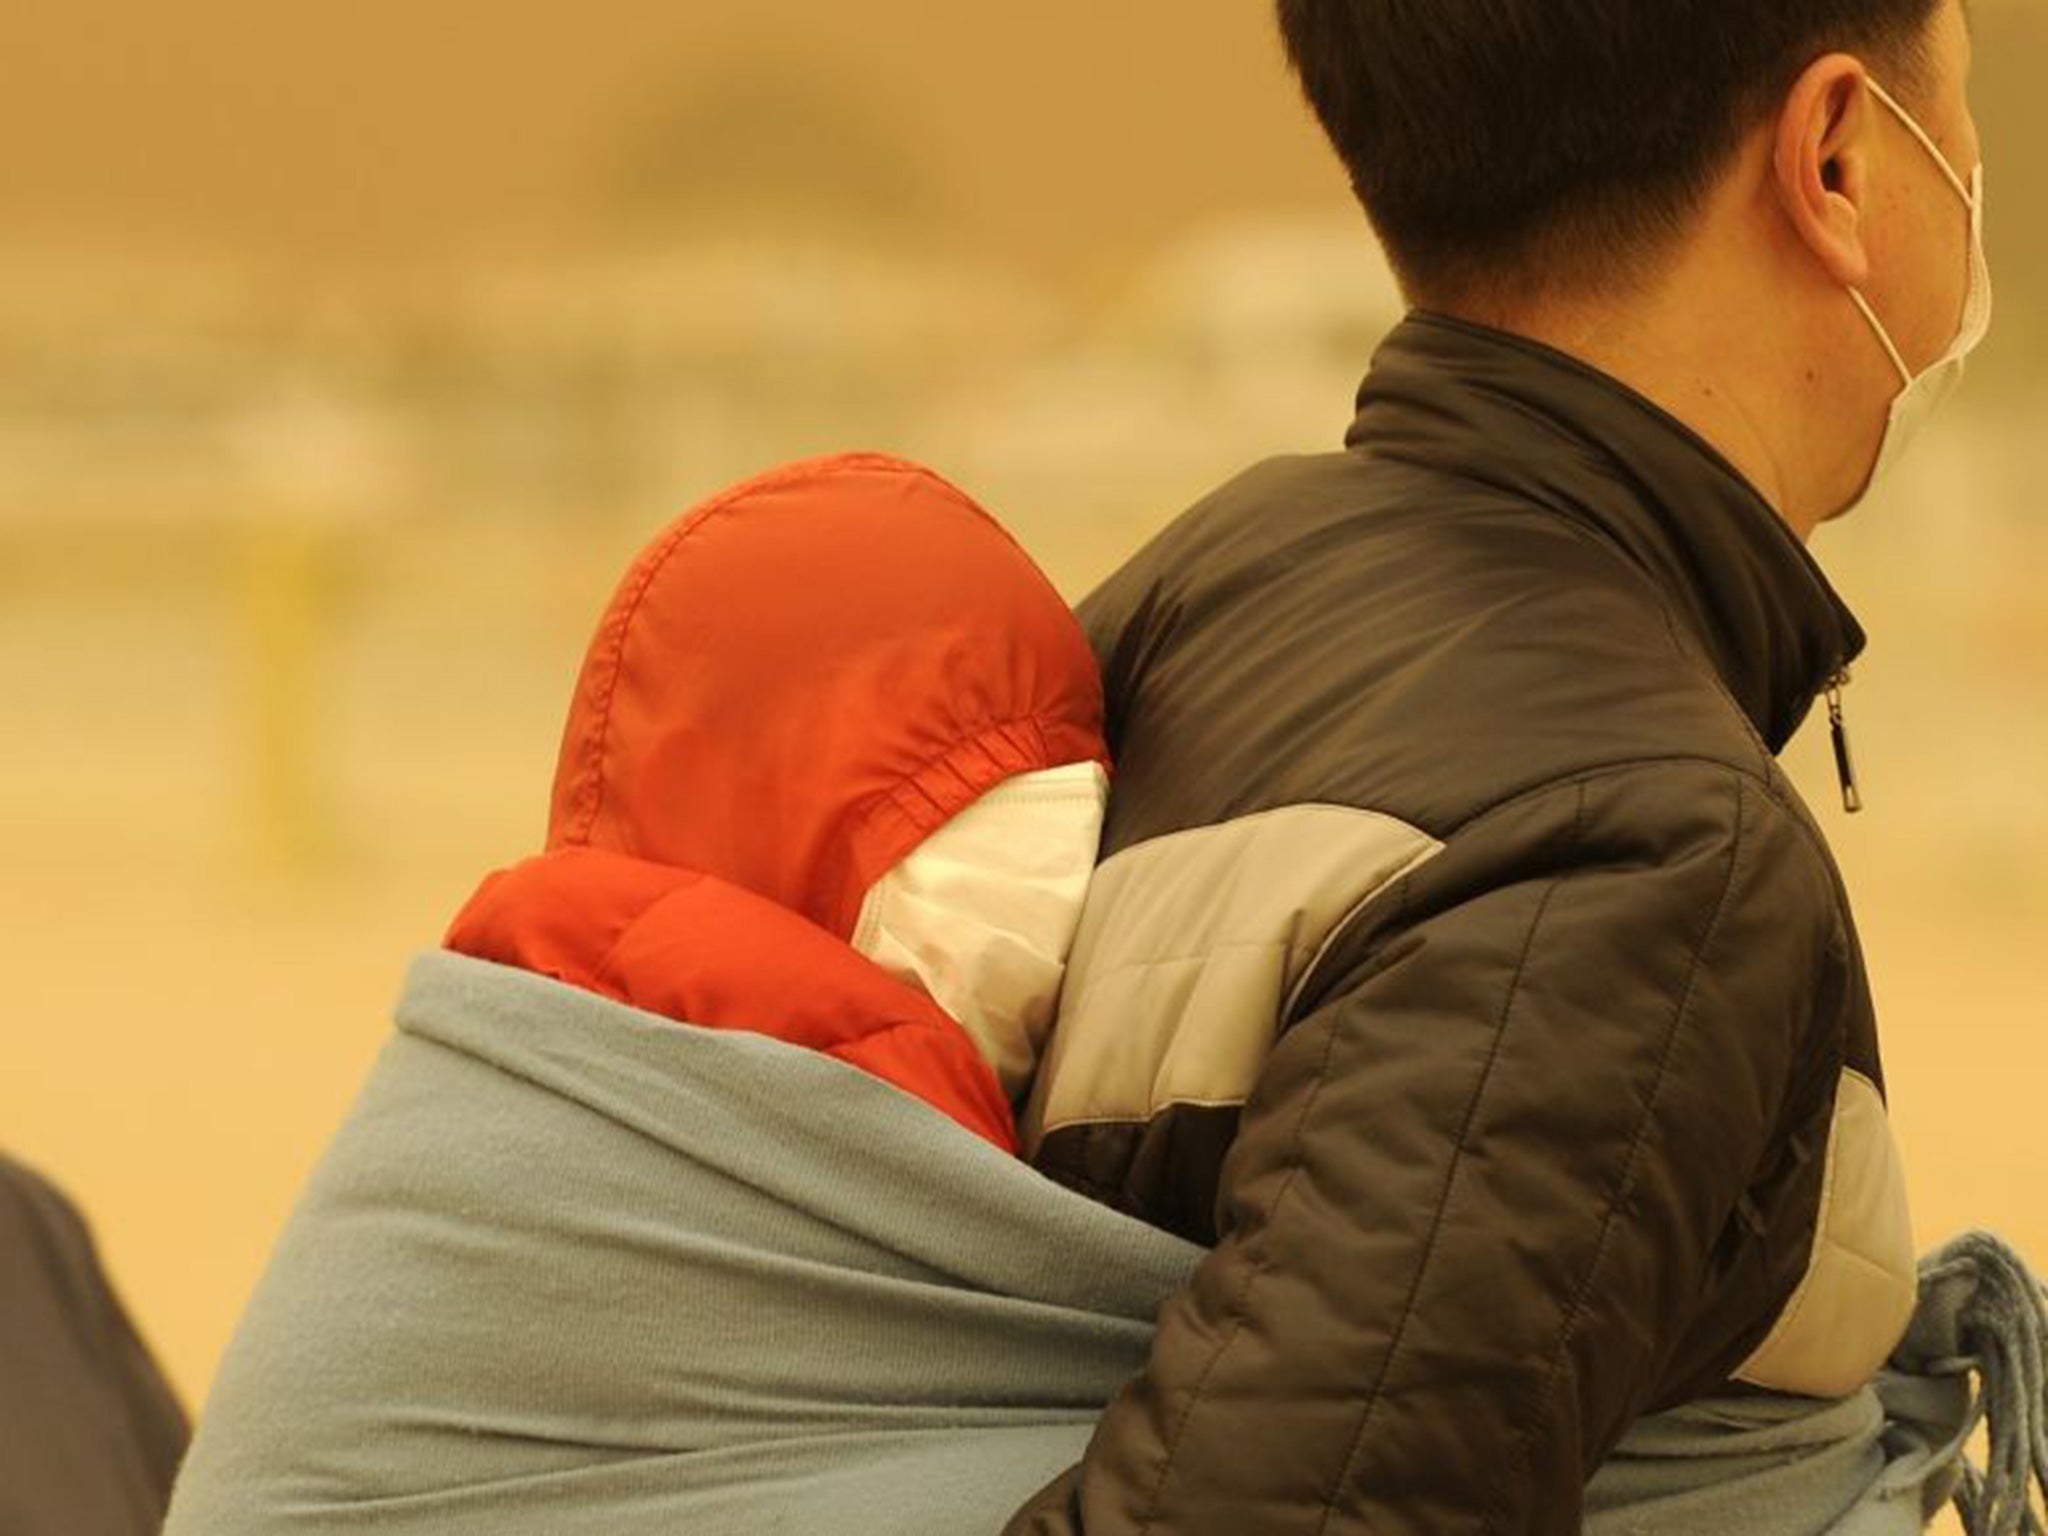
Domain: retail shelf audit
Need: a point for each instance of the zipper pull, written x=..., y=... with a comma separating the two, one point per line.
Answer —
x=1845, y=766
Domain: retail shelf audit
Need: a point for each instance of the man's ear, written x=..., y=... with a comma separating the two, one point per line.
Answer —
x=1822, y=164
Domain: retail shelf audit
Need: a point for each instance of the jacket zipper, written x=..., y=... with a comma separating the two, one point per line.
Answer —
x=1845, y=765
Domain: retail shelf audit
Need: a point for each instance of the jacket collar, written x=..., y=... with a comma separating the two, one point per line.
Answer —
x=1488, y=405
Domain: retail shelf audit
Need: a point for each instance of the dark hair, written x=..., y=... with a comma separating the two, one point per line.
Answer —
x=1534, y=145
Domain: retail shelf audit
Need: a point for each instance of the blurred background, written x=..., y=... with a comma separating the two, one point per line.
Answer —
x=348, y=352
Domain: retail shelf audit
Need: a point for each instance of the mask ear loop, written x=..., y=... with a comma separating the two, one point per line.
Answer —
x=1972, y=199
x=1877, y=325
x=1913, y=127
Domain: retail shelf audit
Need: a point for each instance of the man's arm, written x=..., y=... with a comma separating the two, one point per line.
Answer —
x=1472, y=1196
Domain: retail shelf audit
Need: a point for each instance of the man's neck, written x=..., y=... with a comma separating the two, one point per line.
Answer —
x=1664, y=357
x=1714, y=339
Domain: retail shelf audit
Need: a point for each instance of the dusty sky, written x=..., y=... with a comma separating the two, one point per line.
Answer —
x=1068, y=136
x=1068, y=132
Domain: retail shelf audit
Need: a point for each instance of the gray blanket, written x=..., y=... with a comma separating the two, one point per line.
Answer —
x=570, y=1268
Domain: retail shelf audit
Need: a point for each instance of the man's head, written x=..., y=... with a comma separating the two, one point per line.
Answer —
x=1619, y=164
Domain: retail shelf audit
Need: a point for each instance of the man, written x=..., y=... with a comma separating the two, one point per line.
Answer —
x=1462, y=966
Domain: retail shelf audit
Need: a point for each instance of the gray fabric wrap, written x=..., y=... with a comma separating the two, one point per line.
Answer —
x=569, y=1268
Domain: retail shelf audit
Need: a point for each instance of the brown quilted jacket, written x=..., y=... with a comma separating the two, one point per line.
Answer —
x=1462, y=966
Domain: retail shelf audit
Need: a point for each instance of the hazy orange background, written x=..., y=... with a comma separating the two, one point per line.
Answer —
x=346, y=353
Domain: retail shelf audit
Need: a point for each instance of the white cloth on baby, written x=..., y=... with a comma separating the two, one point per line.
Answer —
x=981, y=914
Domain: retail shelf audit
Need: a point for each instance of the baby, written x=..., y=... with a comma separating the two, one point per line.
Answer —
x=834, y=772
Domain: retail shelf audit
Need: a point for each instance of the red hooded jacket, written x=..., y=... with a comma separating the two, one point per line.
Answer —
x=797, y=682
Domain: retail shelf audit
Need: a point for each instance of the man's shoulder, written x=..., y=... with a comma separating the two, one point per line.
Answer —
x=1337, y=628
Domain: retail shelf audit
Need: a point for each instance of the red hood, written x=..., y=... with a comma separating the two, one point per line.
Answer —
x=804, y=676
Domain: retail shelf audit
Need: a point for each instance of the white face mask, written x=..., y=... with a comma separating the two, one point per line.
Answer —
x=1922, y=396
x=981, y=914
